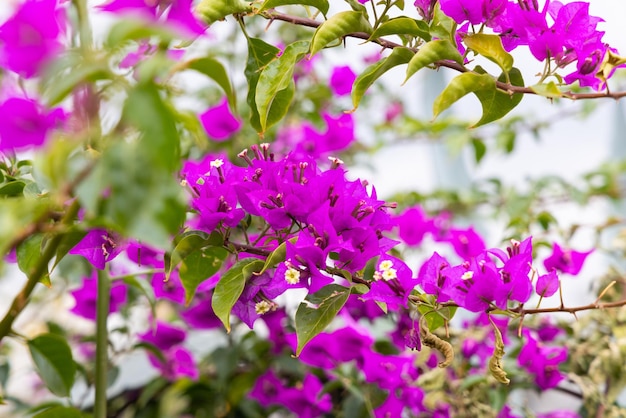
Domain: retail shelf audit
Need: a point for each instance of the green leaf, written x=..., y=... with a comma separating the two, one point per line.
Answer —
x=213, y=10
x=321, y=5
x=12, y=188
x=338, y=26
x=277, y=256
x=435, y=319
x=398, y=56
x=480, y=149
x=403, y=26
x=230, y=286
x=490, y=47
x=190, y=242
x=145, y=110
x=68, y=72
x=276, y=77
x=59, y=411
x=461, y=86
x=68, y=241
x=214, y=69
x=29, y=255
x=549, y=90
x=497, y=103
x=430, y=53
x=53, y=359
x=135, y=196
x=260, y=54
x=317, y=311
x=128, y=30
x=145, y=288
x=199, y=266
x=442, y=26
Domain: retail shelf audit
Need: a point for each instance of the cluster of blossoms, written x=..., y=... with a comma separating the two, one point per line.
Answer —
x=565, y=33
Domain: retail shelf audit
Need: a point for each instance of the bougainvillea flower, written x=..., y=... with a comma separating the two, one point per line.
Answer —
x=201, y=315
x=26, y=123
x=466, y=242
x=219, y=123
x=341, y=80
x=542, y=361
x=434, y=279
x=566, y=261
x=86, y=297
x=164, y=336
x=267, y=389
x=393, y=282
x=178, y=15
x=547, y=284
x=171, y=289
x=306, y=400
x=413, y=225
x=31, y=37
x=99, y=247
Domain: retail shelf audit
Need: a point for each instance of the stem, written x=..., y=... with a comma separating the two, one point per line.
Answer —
x=22, y=298
x=508, y=87
x=84, y=27
x=102, y=344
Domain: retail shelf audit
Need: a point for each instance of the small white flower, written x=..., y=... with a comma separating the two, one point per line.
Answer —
x=217, y=163
x=377, y=276
x=390, y=274
x=292, y=276
x=385, y=265
x=467, y=275
x=262, y=307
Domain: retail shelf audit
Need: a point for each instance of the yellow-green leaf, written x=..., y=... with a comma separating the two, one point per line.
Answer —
x=398, y=56
x=490, y=47
x=275, y=77
x=460, y=86
x=549, y=90
x=431, y=52
x=338, y=26
x=403, y=26
x=213, y=10
x=321, y=5
x=497, y=103
x=214, y=69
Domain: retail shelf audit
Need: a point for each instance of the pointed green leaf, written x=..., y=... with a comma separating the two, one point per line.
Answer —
x=321, y=5
x=398, y=56
x=480, y=149
x=60, y=411
x=29, y=255
x=403, y=26
x=549, y=90
x=198, y=266
x=318, y=310
x=145, y=110
x=260, y=54
x=230, y=287
x=338, y=26
x=213, y=10
x=190, y=242
x=277, y=256
x=214, y=69
x=276, y=77
x=460, y=86
x=431, y=52
x=497, y=103
x=442, y=26
x=53, y=359
x=490, y=47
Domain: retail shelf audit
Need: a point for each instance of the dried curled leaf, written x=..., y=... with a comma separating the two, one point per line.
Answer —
x=495, y=362
x=431, y=340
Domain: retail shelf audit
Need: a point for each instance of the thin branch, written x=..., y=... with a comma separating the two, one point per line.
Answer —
x=509, y=88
